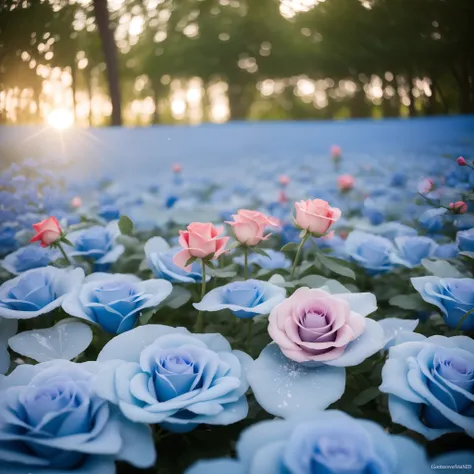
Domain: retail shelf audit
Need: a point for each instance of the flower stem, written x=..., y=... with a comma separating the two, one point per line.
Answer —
x=61, y=249
x=249, y=333
x=297, y=256
x=200, y=318
x=246, y=262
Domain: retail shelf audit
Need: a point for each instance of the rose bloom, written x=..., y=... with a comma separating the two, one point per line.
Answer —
x=345, y=182
x=313, y=325
x=249, y=226
x=76, y=202
x=47, y=231
x=200, y=240
x=336, y=151
x=284, y=180
x=177, y=168
x=316, y=216
x=459, y=207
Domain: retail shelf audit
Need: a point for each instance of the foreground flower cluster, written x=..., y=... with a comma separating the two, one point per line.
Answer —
x=328, y=335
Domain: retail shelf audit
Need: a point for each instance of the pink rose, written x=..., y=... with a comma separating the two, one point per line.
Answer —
x=459, y=207
x=200, y=240
x=177, y=168
x=249, y=226
x=335, y=151
x=76, y=202
x=316, y=216
x=345, y=182
x=313, y=325
x=284, y=180
x=47, y=231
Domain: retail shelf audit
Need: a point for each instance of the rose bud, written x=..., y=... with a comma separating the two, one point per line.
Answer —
x=316, y=216
x=47, y=231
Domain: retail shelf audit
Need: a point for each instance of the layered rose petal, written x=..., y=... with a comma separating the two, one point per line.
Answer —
x=316, y=216
x=47, y=231
x=313, y=325
x=200, y=240
x=249, y=226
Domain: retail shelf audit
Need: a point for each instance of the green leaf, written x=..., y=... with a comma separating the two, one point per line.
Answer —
x=467, y=254
x=67, y=242
x=465, y=316
x=222, y=273
x=336, y=265
x=147, y=315
x=441, y=268
x=209, y=264
x=125, y=225
x=366, y=396
x=410, y=301
x=318, y=281
x=234, y=245
x=190, y=261
x=261, y=252
x=290, y=247
x=178, y=297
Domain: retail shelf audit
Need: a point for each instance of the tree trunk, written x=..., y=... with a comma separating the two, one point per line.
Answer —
x=238, y=102
x=109, y=49
x=88, y=78
x=411, y=106
x=156, y=98
x=74, y=88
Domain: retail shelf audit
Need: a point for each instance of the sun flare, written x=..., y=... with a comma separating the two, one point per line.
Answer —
x=60, y=119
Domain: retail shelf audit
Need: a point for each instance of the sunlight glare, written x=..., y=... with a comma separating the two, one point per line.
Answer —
x=60, y=119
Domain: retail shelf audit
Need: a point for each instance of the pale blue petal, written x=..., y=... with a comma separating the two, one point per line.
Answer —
x=258, y=435
x=216, y=466
x=113, y=255
x=129, y=345
x=66, y=340
x=284, y=387
x=367, y=344
x=362, y=303
x=392, y=327
x=138, y=448
x=411, y=457
x=156, y=245
x=408, y=414
x=395, y=382
x=268, y=459
x=215, y=342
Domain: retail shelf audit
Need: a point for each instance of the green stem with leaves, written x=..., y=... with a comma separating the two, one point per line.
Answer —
x=246, y=262
x=297, y=256
x=63, y=252
x=200, y=318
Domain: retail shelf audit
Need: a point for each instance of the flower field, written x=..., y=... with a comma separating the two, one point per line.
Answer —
x=300, y=316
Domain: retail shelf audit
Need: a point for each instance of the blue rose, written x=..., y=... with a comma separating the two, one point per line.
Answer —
x=453, y=296
x=374, y=215
x=412, y=250
x=275, y=260
x=446, y=251
x=169, y=376
x=393, y=229
x=8, y=328
x=26, y=258
x=371, y=252
x=7, y=239
x=327, y=442
x=37, y=291
x=159, y=259
x=96, y=243
x=53, y=423
x=115, y=301
x=398, y=180
x=109, y=212
x=432, y=219
x=430, y=384
x=465, y=240
x=245, y=299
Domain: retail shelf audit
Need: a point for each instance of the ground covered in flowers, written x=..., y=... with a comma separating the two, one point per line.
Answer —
x=302, y=316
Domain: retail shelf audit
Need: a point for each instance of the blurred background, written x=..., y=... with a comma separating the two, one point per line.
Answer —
x=143, y=62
